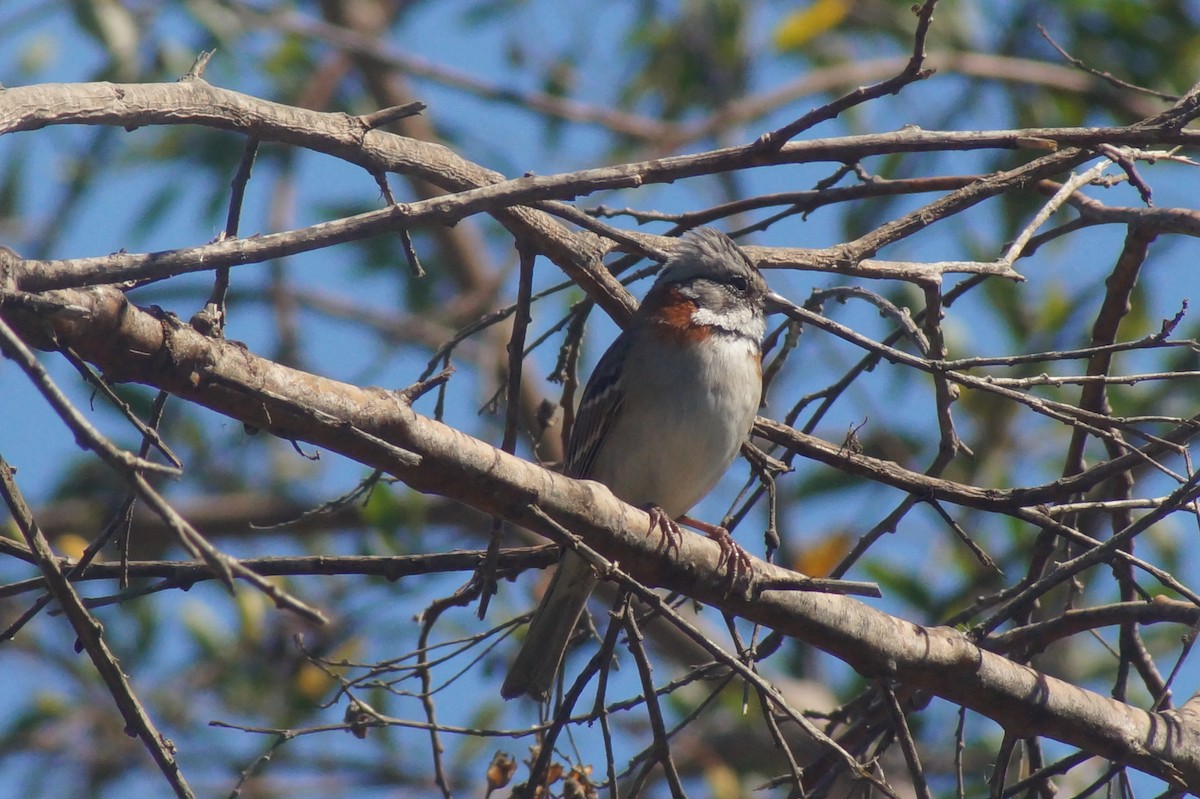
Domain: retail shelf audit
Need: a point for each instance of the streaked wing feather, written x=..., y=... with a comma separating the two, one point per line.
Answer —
x=601, y=404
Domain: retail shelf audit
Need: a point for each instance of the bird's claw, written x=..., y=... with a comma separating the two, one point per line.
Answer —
x=735, y=560
x=667, y=527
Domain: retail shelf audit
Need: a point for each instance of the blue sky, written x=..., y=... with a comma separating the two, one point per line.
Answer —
x=39, y=443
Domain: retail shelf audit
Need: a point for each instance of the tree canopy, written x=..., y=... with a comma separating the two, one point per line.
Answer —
x=296, y=301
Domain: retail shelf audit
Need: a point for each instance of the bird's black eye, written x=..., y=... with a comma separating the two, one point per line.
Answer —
x=740, y=284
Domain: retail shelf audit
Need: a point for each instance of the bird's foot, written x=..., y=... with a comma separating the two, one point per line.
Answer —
x=735, y=560
x=666, y=527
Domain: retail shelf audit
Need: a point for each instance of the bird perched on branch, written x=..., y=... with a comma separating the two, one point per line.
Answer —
x=664, y=414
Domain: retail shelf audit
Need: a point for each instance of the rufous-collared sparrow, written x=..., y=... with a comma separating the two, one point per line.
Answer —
x=664, y=414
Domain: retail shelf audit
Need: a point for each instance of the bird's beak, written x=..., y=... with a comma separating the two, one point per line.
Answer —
x=777, y=303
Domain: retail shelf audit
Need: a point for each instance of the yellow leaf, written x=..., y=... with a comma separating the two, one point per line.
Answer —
x=722, y=781
x=311, y=682
x=820, y=558
x=799, y=27
x=71, y=545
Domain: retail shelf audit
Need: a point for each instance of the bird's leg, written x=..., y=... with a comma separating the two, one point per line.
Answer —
x=666, y=526
x=734, y=559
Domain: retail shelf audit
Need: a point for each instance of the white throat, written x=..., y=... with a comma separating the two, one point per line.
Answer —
x=741, y=321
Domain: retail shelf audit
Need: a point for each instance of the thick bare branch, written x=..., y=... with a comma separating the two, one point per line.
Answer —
x=131, y=344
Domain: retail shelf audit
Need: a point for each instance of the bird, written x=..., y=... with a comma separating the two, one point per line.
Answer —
x=666, y=410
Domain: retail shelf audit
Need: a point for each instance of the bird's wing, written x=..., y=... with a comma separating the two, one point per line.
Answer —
x=601, y=405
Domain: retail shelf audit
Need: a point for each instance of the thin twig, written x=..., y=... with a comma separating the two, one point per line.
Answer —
x=913, y=71
x=386, y=116
x=656, y=602
x=657, y=727
x=562, y=715
x=120, y=460
x=980, y=555
x=424, y=673
x=512, y=409
x=88, y=630
x=907, y=744
x=1094, y=556
x=214, y=313
x=132, y=469
x=180, y=574
x=1107, y=76
x=1037, y=636
x=150, y=436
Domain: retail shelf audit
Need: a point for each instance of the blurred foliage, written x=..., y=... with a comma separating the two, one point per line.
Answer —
x=203, y=655
x=693, y=57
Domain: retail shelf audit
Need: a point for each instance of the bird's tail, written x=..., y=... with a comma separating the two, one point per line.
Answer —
x=536, y=664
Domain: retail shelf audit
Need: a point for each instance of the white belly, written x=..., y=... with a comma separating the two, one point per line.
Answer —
x=679, y=429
